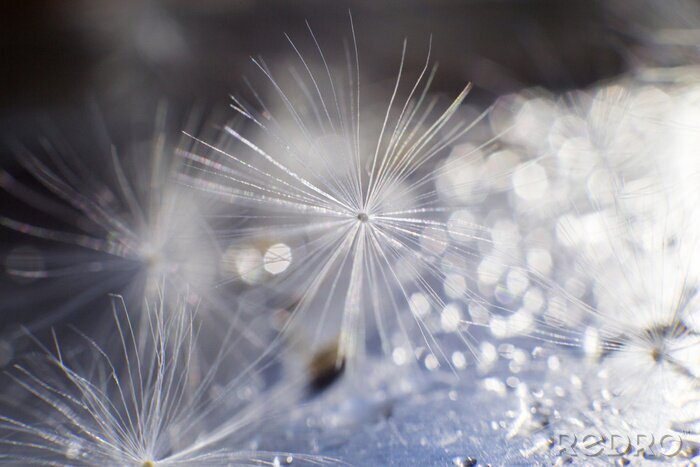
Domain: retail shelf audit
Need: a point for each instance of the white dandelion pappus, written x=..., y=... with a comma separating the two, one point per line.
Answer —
x=633, y=236
x=566, y=186
x=347, y=197
x=620, y=223
x=151, y=402
x=640, y=321
x=109, y=222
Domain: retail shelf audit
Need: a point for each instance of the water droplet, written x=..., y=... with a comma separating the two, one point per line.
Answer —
x=431, y=362
x=73, y=450
x=464, y=461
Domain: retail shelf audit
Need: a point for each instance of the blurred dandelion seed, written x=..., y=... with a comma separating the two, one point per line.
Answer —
x=125, y=228
x=638, y=325
x=151, y=402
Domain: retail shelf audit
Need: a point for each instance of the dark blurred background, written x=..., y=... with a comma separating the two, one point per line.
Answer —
x=55, y=53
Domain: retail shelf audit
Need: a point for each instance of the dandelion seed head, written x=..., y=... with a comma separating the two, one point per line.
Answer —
x=154, y=401
x=116, y=217
x=364, y=189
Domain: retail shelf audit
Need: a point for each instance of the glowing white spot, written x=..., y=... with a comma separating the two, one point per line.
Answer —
x=533, y=299
x=591, y=342
x=245, y=263
x=530, y=181
x=498, y=326
x=73, y=450
x=399, y=356
x=431, y=362
x=419, y=304
x=553, y=363
x=434, y=240
x=512, y=381
x=498, y=164
x=461, y=225
x=515, y=367
x=495, y=385
x=520, y=323
x=489, y=355
x=517, y=281
x=277, y=258
x=533, y=120
x=451, y=317
x=505, y=234
x=520, y=357
x=459, y=360
x=460, y=176
x=478, y=313
x=490, y=270
x=540, y=260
